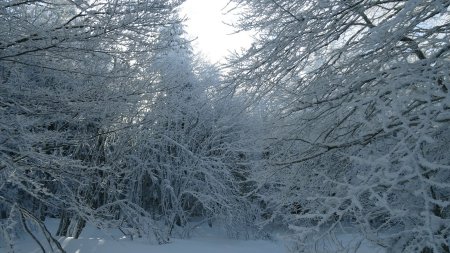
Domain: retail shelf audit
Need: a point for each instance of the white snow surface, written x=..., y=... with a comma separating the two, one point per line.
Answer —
x=203, y=240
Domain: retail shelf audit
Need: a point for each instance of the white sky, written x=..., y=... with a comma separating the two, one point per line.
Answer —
x=206, y=22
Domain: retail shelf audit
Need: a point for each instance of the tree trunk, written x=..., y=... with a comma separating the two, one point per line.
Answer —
x=63, y=224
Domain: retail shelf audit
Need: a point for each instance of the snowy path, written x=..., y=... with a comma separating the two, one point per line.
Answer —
x=177, y=246
x=197, y=245
x=204, y=241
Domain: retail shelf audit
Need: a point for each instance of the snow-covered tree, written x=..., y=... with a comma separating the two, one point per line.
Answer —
x=361, y=88
x=70, y=77
x=182, y=157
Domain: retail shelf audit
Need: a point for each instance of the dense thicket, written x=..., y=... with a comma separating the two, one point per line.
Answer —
x=339, y=123
x=106, y=117
x=361, y=90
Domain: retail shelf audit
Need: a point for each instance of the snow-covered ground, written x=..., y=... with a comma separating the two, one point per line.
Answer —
x=196, y=245
x=203, y=240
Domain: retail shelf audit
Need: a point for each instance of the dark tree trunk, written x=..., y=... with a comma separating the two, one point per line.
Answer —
x=63, y=224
